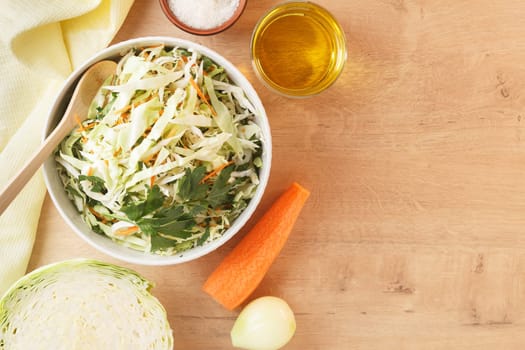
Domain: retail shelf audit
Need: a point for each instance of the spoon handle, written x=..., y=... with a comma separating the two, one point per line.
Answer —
x=85, y=90
x=17, y=183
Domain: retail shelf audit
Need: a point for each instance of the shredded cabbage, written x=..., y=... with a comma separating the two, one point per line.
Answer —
x=169, y=154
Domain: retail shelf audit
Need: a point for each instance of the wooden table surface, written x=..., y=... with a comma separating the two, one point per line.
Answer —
x=414, y=235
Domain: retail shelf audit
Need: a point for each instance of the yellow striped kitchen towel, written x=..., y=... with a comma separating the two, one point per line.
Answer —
x=41, y=42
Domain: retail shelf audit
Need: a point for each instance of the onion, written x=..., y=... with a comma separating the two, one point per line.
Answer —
x=267, y=323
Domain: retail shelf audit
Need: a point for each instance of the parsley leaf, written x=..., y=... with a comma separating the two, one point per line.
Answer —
x=208, y=64
x=134, y=211
x=171, y=221
x=97, y=183
x=159, y=243
x=147, y=228
x=190, y=186
x=154, y=219
x=202, y=239
x=154, y=201
x=162, y=222
x=219, y=193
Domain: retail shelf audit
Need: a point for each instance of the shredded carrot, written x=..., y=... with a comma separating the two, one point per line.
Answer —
x=123, y=109
x=90, y=171
x=127, y=231
x=89, y=126
x=152, y=181
x=106, y=162
x=216, y=171
x=201, y=95
x=79, y=122
x=97, y=215
x=117, y=152
x=241, y=271
x=138, y=103
x=146, y=132
x=125, y=116
x=151, y=158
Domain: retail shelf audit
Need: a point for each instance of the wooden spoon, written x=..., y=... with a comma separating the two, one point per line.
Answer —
x=85, y=91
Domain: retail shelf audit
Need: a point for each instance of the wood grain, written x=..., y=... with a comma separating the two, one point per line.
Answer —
x=413, y=237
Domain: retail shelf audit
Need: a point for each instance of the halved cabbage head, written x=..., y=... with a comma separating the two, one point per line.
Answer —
x=83, y=304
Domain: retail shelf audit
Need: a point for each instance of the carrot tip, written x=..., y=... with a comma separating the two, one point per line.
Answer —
x=301, y=189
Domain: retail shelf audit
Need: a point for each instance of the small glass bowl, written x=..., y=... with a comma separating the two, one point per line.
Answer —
x=298, y=49
x=164, y=4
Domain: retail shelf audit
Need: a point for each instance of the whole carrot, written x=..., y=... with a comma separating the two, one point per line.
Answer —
x=241, y=271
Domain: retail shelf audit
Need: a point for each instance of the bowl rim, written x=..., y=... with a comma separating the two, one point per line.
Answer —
x=105, y=244
x=203, y=32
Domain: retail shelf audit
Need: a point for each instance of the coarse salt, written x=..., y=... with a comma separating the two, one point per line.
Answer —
x=203, y=14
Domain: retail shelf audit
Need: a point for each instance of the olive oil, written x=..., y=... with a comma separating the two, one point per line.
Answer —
x=298, y=49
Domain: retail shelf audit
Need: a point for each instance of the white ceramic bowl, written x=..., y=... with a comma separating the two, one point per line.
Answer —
x=105, y=244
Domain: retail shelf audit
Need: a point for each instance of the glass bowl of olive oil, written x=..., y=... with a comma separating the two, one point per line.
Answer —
x=298, y=49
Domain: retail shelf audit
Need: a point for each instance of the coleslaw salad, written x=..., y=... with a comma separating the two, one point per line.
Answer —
x=169, y=154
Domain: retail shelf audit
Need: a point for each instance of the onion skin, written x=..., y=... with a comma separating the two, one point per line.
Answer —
x=267, y=323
